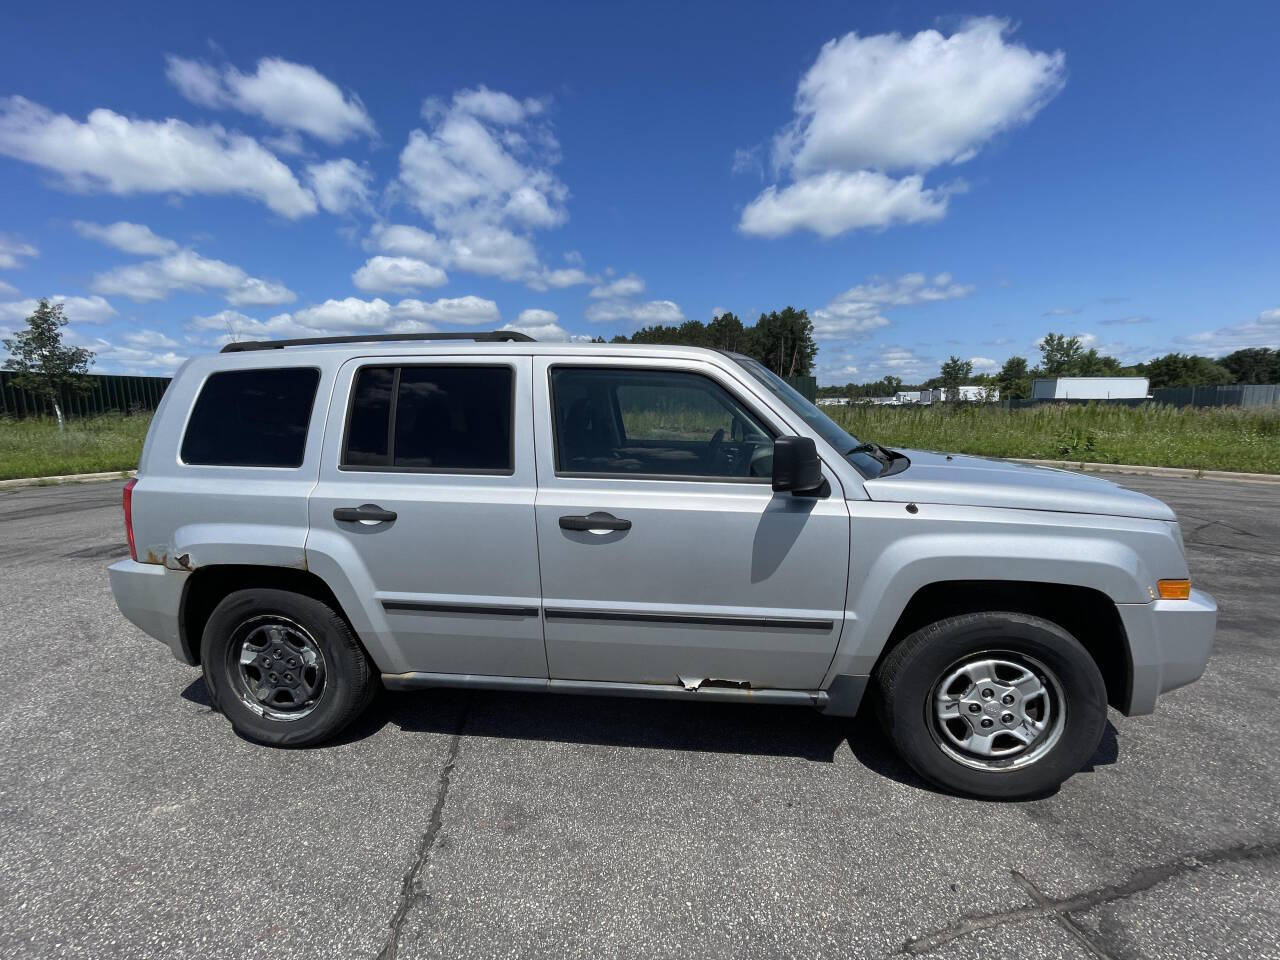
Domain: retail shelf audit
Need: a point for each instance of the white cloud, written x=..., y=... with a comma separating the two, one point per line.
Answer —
x=872, y=105
x=627, y=313
x=900, y=362
x=340, y=185
x=628, y=286
x=834, y=202
x=718, y=312
x=1062, y=312
x=984, y=365
x=469, y=311
x=353, y=315
x=12, y=249
x=7, y=289
x=137, y=359
x=397, y=274
x=539, y=324
x=481, y=176
x=1264, y=331
x=858, y=311
x=120, y=155
x=285, y=94
x=149, y=338
x=1125, y=321
x=560, y=278
x=76, y=309
x=126, y=236
x=487, y=250
x=187, y=270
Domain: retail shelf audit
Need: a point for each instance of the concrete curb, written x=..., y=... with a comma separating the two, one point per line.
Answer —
x=1185, y=472
x=66, y=478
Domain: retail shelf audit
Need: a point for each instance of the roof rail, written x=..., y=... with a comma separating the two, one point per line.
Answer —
x=480, y=336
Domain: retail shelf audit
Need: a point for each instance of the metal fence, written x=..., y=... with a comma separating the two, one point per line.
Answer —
x=108, y=394
x=1236, y=395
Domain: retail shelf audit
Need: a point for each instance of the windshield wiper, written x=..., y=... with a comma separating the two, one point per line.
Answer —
x=877, y=451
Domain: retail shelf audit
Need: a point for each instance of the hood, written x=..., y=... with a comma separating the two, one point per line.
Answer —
x=980, y=482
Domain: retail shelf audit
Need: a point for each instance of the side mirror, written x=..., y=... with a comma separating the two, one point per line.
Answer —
x=796, y=466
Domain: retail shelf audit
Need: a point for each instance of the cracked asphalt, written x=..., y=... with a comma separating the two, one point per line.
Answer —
x=134, y=823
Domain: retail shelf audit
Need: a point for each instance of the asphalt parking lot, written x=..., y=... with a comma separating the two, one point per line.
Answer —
x=134, y=823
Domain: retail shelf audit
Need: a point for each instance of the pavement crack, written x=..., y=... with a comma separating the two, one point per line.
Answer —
x=1061, y=907
x=413, y=891
x=1064, y=920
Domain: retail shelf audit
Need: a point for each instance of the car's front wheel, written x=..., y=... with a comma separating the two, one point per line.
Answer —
x=284, y=668
x=998, y=705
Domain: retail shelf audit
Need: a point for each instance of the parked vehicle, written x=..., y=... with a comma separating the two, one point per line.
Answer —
x=315, y=519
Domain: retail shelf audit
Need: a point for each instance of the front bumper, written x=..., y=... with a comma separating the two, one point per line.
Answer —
x=150, y=595
x=1169, y=645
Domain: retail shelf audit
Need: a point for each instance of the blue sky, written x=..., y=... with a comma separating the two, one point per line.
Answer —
x=925, y=180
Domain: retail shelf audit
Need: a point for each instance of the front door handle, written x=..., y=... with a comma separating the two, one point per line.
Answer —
x=366, y=511
x=594, y=521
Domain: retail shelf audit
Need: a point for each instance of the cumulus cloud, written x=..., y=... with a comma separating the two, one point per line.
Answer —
x=984, y=365
x=188, y=270
x=126, y=236
x=481, y=175
x=541, y=325
x=290, y=95
x=397, y=275
x=76, y=309
x=340, y=185
x=110, y=357
x=7, y=289
x=12, y=250
x=1263, y=331
x=149, y=339
x=635, y=314
x=859, y=311
x=628, y=286
x=560, y=278
x=872, y=106
x=116, y=154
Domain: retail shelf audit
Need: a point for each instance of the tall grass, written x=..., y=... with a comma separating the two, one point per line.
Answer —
x=1213, y=438
x=35, y=448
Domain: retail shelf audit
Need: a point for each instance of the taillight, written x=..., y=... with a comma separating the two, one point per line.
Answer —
x=128, y=515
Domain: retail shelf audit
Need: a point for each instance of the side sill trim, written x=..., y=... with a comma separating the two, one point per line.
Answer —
x=479, y=609
x=662, y=691
x=726, y=620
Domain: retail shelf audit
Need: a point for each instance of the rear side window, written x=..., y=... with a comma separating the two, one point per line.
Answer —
x=252, y=418
x=442, y=419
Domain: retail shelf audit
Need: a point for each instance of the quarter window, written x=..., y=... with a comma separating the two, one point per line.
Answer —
x=443, y=419
x=252, y=418
x=656, y=423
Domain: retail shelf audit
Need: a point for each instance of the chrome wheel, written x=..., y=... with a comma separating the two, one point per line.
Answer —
x=997, y=710
x=277, y=666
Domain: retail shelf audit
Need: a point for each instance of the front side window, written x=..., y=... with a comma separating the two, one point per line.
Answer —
x=252, y=418
x=655, y=423
x=442, y=419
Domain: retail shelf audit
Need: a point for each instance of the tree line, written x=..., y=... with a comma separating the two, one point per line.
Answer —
x=1064, y=356
x=782, y=340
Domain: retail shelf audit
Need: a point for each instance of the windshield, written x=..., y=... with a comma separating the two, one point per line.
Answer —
x=845, y=443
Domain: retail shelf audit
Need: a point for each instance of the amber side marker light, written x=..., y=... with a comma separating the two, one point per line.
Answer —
x=1174, y=589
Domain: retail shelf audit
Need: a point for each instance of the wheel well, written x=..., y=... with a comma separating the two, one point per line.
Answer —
x=207, y=586
x=1088, y=615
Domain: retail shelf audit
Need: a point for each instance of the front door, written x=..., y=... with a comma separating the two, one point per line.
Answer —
x=425, y=505
x=666, y=557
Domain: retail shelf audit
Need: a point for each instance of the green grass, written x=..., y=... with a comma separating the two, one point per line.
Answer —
x=34, y=448
x=1223, y=438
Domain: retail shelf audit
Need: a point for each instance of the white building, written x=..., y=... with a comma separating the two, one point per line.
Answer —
x=1089, y=388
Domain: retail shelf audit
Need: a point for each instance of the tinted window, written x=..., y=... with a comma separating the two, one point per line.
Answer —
x=447, y=418
x=252, y=418
x=655, y=423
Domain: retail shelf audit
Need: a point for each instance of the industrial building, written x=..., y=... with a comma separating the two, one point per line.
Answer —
x=1089, y=388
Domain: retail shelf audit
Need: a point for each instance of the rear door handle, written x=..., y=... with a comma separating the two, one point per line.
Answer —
x=366, y=511
x=594, y=521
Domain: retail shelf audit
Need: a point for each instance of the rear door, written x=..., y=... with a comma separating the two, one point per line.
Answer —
x=425, y=505
x=666, y=557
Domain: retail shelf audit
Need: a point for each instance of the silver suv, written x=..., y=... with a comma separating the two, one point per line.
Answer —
x=314, y=519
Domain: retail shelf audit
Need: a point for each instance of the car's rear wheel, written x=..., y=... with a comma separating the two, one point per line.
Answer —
x=999, y=705
x=285, y=669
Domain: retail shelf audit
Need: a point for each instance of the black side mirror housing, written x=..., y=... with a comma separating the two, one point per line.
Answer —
x=796, y=467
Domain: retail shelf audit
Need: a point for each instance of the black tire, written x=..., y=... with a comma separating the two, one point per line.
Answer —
x=348, y=683
x=906, y=680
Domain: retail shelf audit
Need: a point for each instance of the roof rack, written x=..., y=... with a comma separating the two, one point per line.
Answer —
x=480, y=336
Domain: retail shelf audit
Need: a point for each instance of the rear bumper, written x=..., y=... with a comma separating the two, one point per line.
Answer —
x=151, y=597
x=1169, y=645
